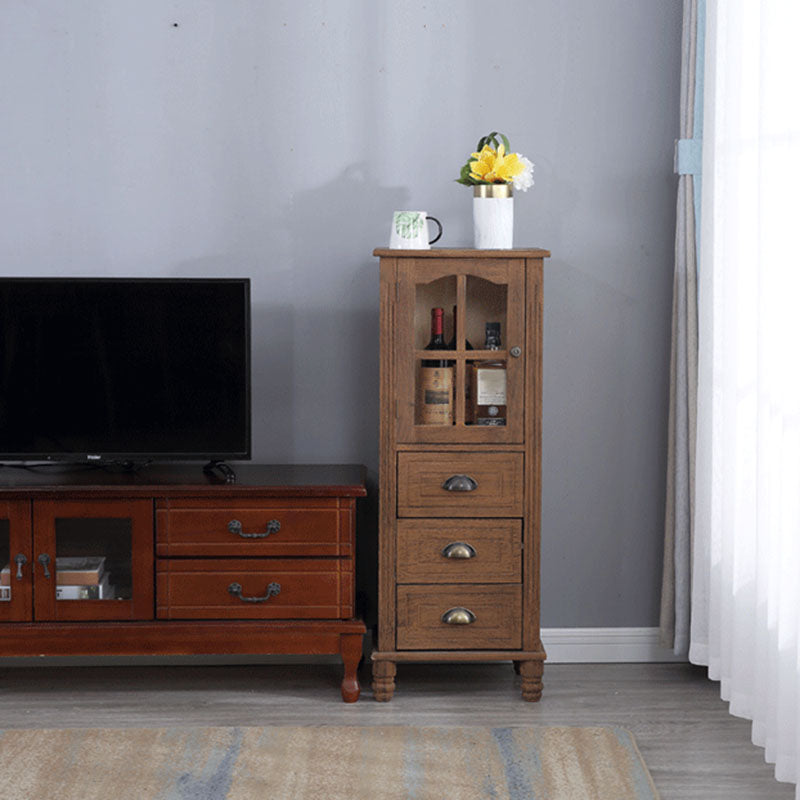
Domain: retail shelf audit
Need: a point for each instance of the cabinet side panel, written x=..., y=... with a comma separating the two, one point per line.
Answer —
x=387, y=468
x=533, y=455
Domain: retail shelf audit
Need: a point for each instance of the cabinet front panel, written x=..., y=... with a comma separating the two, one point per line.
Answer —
x=93, y=559
x=460, y=484
x=237, y=529
x=254, y=589
x=483, y=617
x=450, y=551
x=16, y=580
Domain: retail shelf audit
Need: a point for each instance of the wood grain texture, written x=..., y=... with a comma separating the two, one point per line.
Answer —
x=198, y=527
x=692, y=746
x=497, y=610
x=421, y=478
x=497, y=545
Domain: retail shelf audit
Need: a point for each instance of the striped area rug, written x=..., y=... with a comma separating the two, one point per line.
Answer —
x=323, y=763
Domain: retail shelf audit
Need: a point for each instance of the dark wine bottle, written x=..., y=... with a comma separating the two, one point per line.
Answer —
x=435, y=387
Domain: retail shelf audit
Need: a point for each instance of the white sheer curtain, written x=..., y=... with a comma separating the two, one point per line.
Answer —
x=746, y=568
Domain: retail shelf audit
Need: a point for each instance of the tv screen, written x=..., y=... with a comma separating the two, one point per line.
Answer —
x=128, y=369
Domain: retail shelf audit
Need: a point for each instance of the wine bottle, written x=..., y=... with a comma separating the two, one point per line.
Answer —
x=489, y=384
x=435, y=386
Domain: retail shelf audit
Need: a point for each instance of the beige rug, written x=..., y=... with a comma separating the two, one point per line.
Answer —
x=323, y=763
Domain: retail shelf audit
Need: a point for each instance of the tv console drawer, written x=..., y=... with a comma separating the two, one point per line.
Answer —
x=254, y=588
x=242, y=527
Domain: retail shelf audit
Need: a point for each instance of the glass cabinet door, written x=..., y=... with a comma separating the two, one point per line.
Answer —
x=93, y=560
x=15, y=561
x=467, y=384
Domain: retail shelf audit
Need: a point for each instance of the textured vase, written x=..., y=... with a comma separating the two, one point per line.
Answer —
x=493, y=216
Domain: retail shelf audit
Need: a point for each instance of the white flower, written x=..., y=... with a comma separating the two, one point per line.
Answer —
x=524, y=180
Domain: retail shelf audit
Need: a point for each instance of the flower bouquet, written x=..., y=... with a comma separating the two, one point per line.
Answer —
x=493, y=172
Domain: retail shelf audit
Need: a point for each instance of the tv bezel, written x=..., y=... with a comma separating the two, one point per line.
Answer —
x=107, y=457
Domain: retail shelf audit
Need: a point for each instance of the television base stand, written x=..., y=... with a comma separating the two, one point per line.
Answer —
x=220, y=466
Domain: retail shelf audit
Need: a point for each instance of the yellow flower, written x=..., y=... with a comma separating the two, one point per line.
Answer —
x=494, y=166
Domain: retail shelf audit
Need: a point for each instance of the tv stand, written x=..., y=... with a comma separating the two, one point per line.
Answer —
x=171, y=561
x=220, y=466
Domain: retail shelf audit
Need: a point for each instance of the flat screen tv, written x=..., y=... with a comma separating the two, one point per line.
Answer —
x=111, y=369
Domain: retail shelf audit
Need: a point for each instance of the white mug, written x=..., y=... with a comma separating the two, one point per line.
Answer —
x=409, y=231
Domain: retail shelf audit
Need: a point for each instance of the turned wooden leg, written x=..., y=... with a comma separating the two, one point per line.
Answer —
x=516, y=667
x=383, y=673
x=350, y=646
x=531, y=672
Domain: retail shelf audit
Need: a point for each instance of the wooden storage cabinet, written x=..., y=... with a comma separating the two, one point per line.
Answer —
x=184, y=564
x=460, y=499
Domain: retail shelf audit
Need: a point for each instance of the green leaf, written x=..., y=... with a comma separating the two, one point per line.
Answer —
x=505, y=142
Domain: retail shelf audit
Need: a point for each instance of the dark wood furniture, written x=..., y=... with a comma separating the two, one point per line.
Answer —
x=191, y=564
x=460, y=501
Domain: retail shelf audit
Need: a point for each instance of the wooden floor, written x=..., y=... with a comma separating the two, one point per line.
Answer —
x=693, y=747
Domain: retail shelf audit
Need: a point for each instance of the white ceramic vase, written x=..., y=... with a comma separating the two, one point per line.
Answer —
x=493, y=216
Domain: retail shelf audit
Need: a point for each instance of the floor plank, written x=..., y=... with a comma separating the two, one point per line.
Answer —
x=692, y=746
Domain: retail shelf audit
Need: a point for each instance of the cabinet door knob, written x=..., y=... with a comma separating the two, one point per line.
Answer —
x=272, y=590
x=515, y=351
x=459, y=550
x=460, y=483
x=273, y=526
x=458, y=616
x=20, y=560
x=44, y=560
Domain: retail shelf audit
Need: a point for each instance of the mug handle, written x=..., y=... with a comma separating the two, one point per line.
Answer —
x=438, y=235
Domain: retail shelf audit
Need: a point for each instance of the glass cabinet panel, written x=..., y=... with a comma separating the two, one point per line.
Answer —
x=459, y=351
x=93, y=559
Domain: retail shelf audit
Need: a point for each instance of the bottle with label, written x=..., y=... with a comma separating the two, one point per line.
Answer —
x=488, y=384
x=435, y=387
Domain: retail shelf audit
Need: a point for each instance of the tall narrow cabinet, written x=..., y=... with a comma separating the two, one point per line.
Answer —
x=460, y=485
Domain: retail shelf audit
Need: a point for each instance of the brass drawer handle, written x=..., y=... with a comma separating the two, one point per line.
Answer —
x=460, y=483
x=458, y=616
x=459, y=550
x=272, y=590
x=234, y=526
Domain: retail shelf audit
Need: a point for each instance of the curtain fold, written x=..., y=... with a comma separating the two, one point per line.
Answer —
x=675, y=591
x=745, y=598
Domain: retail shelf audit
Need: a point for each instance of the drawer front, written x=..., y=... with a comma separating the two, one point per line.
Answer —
x=252, y=529
x=459, y=551
x=497, y=612
x=201, y=589
x=480, y=484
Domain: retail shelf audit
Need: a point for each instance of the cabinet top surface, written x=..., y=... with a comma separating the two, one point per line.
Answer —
x=292, y=480
x=459, y=252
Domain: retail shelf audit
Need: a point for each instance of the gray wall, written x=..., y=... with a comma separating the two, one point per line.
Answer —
x=274, y=139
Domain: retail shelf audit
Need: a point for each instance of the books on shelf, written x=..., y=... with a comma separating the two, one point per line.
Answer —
x=97, y=591
x=80, y=571
x=5, y=575
x=5, y=593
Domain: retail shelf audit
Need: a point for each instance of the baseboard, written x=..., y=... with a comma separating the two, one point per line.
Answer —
x=605, y=645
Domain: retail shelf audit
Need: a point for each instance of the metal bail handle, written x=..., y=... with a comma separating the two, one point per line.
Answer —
x=273, y=590
x=273, y=526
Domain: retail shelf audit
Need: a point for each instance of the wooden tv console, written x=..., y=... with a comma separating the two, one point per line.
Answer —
x=172, y=561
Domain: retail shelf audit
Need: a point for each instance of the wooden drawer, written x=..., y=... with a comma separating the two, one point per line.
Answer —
x=309, y=588
x=497, y=611
x=252, y=528
x=497, y=480
x=494, y=547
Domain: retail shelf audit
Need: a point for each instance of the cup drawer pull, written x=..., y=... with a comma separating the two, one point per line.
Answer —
x=272, y=590
x=458, y=616
x=234, y=526
x=459, y=550
x=460, y=483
